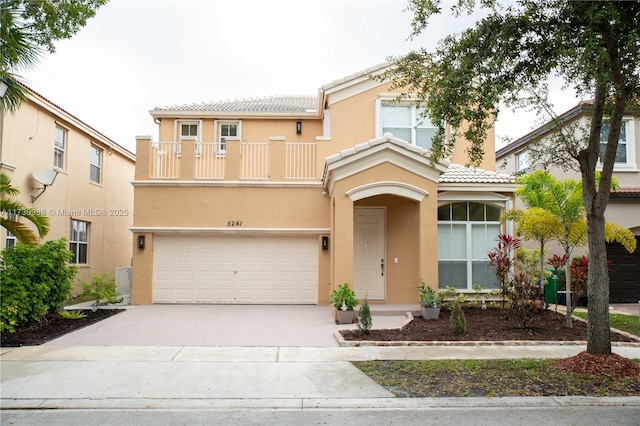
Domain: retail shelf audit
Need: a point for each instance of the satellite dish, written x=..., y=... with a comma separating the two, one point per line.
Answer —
x=45, y=176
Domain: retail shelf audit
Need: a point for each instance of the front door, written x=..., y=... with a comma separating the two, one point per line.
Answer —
x=369, y=253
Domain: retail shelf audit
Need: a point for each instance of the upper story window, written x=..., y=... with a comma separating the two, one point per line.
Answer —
x=407, y=123
x=522, y=161
x=79, y=241
x=60, y=148
x=625, y=154
x=189, y=129
x=95, y=172
x=226, y=131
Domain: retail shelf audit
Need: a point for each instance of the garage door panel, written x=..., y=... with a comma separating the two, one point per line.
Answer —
x=208, y=269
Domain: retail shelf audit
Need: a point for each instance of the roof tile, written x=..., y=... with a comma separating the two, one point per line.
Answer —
x=457, y=173
x=284, y=104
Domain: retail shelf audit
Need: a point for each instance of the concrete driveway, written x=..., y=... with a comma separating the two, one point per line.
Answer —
x=222, y=325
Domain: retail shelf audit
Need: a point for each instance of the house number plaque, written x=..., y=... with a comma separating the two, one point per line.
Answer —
x=234, y=223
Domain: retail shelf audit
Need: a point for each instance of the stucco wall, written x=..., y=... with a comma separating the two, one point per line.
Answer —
x=28, y=145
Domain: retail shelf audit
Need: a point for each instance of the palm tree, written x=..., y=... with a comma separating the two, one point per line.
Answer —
x=556, y=212
x=20, y=50
x=12, y=208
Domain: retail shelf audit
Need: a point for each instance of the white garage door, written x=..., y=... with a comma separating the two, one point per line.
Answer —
x=235, y=269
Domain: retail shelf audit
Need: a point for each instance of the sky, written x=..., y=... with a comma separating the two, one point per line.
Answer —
x=135, y=55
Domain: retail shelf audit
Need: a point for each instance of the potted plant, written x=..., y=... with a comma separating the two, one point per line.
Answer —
x=430, y=302
x=343, y=299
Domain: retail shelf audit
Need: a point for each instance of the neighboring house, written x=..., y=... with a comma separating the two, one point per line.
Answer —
x=90, y=202
x=282, y=199
x=624, y=203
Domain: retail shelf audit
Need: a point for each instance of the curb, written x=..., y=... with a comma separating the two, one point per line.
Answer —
x=318, y=403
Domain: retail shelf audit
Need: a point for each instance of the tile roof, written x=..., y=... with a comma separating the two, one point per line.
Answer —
x=457, y=173
x=282, y=104
x=626, y=193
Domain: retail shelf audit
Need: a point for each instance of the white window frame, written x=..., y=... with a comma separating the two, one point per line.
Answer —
x=77, y=242
x=417, y=122
x=98, y=166
x=522, y=157
x=10, y=239
x=630, y=147
x=177, y=133
x=60, y=147
x=220, y=140
x=468, y=226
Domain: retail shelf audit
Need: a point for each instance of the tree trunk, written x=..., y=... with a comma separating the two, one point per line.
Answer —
x=543, y=282
x=598, y=327
x=568, y=322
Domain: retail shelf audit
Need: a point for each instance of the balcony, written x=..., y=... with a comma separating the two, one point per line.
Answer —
x=230, y=161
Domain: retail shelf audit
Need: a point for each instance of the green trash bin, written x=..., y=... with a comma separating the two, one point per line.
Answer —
x=554, y=284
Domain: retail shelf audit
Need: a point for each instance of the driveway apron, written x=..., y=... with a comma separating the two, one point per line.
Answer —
x=219, y=325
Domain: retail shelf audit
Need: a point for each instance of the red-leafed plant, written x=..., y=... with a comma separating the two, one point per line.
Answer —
x=557, y=262
x=502, y=258
x=579, y=270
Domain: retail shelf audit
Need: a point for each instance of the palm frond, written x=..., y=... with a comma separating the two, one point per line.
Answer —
x=21, y=231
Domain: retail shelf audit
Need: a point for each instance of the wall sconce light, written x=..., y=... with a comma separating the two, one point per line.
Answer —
x=140, y=241
x=325, y=243
x=298, y=127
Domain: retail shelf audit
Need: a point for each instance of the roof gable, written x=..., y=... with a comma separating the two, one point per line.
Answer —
x=386, y=149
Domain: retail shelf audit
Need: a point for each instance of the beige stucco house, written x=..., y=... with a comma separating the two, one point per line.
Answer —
x=624, y=204
x=279, y=200
x=90, y=201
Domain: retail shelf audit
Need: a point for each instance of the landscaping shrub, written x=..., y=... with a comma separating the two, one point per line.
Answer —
x=527, y=302
x=35, y=280
x=364, y=318
x=101, y=288
x=458, y=320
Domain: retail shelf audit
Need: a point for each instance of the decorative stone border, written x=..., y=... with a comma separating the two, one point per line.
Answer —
x=357, y=343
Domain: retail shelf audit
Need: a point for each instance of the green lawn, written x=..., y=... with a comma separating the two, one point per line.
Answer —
x=491, y=378
x=628, y=323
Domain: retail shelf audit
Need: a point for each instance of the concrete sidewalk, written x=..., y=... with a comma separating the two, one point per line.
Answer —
x=229, y=377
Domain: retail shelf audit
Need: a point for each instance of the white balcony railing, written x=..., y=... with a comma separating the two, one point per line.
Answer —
x=210, y=161
x=244, y=160
x=254, y=160
x=164, y=160
x=300, y=160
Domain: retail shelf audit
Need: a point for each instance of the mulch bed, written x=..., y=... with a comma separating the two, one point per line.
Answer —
x=483, y=325
x=599, y=365
x=53, y=326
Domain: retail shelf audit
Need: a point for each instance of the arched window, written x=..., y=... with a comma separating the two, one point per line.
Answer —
x=467, y=231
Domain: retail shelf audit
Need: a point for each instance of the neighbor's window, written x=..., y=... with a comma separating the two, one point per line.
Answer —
x=467, y=231
x=79, y=241
x=95, y=173
x=60, y=148
x=522, y=161
x=621, y=153
x=11, y=239
x=406, y=122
